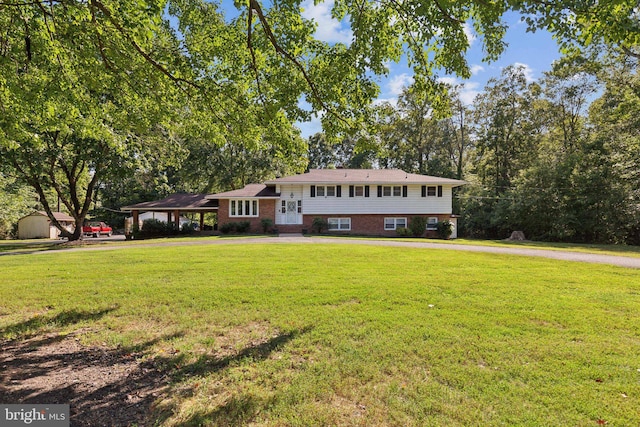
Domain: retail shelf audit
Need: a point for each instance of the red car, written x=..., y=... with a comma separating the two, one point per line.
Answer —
x=96, y=229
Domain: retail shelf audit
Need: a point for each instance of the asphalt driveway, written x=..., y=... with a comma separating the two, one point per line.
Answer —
x=621, y=261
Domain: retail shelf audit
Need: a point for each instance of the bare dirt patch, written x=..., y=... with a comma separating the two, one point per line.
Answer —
x=103, y=386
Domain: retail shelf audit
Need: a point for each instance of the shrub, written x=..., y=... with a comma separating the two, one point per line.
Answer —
x=266, y=223
x=188, y=228
x=154, y=228
x=235, y=227
x=403, y=232
x=228, y=227
x=319, y=225
x=243, y=226
x=418, y=226
x=445, y=229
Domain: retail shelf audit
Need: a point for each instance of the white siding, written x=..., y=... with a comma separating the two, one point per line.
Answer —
x=414, y=203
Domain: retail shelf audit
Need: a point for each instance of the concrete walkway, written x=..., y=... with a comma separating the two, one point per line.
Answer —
x=621, y=261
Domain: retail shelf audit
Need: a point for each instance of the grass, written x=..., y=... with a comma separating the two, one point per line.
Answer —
x=286, y=334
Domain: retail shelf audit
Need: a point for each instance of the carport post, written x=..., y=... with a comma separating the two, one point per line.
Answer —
x=201, y=221
x=136, y=218
x=176, y=218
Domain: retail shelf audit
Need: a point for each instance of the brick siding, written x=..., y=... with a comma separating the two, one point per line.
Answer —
x=372, y=225
x=267, y=209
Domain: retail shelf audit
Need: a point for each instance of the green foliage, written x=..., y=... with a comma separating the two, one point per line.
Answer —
x=418, y=226
x=235, y=227
x=267, y=224
x=445, y=229
x=16, y=201
x=319, y=225
x=404, y=232
x=153, y=228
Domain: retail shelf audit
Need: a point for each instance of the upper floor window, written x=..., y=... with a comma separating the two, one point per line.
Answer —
x=431, y=191
x=391, y=190
x=243, y=208
x=326, y=191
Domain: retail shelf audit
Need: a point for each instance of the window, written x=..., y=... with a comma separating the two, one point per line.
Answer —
x=432, y=223
x=283, y=206
x=342, y=224
x=299, y=206
x=326, y=191
x=392, y=190
x=358, y=191
x=243, y=208
x=395, y=223
x=431, y=190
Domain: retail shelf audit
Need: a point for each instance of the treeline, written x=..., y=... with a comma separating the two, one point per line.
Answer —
x=558, y=158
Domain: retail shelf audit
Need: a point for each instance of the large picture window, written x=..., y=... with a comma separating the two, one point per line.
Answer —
x=240, y=208
x=340, y=224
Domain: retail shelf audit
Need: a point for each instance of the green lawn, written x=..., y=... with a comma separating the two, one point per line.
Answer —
x=287, y=334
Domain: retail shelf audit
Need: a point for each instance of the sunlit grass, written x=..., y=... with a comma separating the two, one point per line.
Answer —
x=286, y=334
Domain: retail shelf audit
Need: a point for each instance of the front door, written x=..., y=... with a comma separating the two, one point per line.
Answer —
x=292, y=212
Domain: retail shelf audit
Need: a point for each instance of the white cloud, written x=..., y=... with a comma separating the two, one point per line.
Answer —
x=399, y=82
x=475, y=69
x=449, y=80
x=468, y=31
x=528, y=71
x=468, y=90
x=328, y=29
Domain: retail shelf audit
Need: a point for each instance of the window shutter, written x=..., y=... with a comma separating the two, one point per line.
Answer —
x=404, y=191
x=313, y=191
x=366, y=191
x=424, y=191
x=379, y=190
x=338, y=190
x=351, y=191
x=439, y=190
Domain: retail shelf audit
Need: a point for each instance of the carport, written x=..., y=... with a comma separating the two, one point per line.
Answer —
x=174, y=206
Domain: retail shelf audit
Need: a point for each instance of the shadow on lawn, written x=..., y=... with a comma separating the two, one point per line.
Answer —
x=35, y=325
x=103, y=386
x=114, y=386
x=240, y=409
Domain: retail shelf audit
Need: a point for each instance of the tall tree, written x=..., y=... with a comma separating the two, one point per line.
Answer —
x=69, y=116
x=505, y=131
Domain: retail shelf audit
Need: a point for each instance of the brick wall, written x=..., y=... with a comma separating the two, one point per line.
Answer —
x=267, y=210
x=370, y=224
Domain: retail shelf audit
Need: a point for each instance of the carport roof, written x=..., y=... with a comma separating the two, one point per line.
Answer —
x=178, y=201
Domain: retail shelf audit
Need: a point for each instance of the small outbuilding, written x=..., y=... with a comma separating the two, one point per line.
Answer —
x=38, y=225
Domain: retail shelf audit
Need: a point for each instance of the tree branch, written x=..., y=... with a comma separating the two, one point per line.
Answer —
x=274, y=42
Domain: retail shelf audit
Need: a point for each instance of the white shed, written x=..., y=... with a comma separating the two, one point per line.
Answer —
x=38, y=225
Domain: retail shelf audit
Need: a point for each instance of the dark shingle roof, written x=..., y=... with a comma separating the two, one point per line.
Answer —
x=251, y=190
x=182, y=201
x=363, y=176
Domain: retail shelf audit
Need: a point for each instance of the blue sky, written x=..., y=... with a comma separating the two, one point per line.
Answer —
x=534, y=51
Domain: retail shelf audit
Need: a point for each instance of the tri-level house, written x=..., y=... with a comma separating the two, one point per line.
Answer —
x=352, y=201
